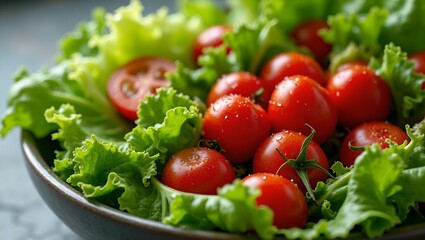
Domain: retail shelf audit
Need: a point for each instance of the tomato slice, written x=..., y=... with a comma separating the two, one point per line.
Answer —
x=130, y=83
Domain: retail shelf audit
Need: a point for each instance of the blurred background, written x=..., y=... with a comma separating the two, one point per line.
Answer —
x=29, y=34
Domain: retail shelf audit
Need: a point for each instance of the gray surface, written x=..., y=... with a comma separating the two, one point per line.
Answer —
x=29, y=31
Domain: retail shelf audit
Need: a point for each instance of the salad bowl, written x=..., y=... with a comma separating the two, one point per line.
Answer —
x=93, y=220
x=104, y=166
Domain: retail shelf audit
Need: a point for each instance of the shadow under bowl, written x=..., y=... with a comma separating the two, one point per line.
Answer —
x=93, y=220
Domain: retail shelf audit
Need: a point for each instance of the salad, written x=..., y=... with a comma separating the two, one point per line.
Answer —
x=341, y=162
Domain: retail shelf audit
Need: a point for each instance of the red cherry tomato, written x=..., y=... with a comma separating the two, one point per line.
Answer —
x=367, y=134
x=298, y=100
x=282, y=197
x=418, y=59
x=288, y=64
x=238, y=125
x=242, y=83
x=351, y=63
x=268, y=160
x=359, y=95
x=130, y=83
x=307, y=34
x=211, y=37
x=198, y=170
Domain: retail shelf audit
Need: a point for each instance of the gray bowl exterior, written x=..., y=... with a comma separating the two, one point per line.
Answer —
x=92, y=220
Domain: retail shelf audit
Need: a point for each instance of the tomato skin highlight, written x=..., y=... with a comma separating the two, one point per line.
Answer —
x=238, y=125
x=307, y=34
x=210, y=37
x=299, y=100
x=241, y=83
x=359, y=95
x=133, y=81
x=282, y=197
x=367, y=134
x=288, y=64
x=268, y=160
x=198, y=170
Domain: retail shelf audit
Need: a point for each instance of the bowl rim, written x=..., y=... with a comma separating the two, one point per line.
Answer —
x=38, y=165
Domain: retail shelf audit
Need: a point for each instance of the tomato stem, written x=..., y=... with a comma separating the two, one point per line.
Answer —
x=301, y=164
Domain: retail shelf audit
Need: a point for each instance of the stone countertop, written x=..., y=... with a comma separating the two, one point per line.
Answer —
x=29, y=33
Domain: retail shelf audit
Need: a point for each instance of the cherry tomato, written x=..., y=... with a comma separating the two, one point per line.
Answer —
x=211, y=37
x=298, y=100
x=242, y=83
x=130, y=83
x=238, y=125
x=288, y=64
x=367, y=134
x=307, y=34
x=359, y=95
x=418, y=59
x=268, y=160
x=282, y=197
x=198, y=170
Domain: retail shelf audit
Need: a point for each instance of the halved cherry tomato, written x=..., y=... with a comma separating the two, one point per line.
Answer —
x=198, y=170
x=268, y=160
x=288, y=64
x=130, y=83
x=211, y=37
x=282, y=197
x=238, y=125
x=418, y=59
x=299, y=100
x=359, y=95
x=242, y=83
x=367, y=134
x=307, y=34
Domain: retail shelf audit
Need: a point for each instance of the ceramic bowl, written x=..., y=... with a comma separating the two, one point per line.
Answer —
x=92, y=220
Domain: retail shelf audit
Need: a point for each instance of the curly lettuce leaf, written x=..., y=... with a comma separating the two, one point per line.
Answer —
x=233, y=210
x=354, y=36
x=168, y=122
x=404, y=83
x=104, y=170
x=70, y=136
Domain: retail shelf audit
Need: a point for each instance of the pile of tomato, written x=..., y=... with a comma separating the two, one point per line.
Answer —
x=284, y=114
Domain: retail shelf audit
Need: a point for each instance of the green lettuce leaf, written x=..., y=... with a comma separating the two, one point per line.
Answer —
x=70, y=136
x=104, y=170
x=354, y=36
x=168, y=122
x=404, y=83
x=233, y=210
